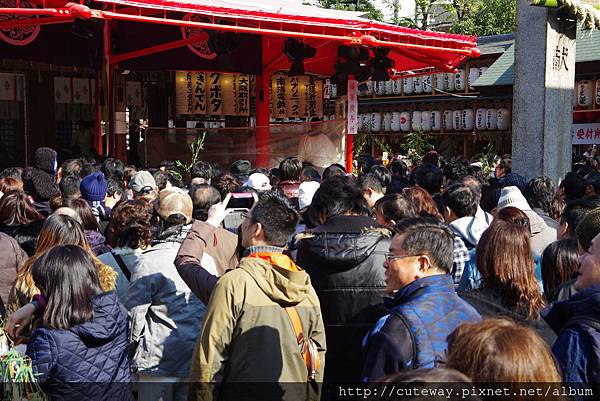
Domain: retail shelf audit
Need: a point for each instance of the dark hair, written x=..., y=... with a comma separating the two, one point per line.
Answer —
x=476, y=172
x=514, y=215
x=432, y=157
x=539, y=193
x=574, y=212
x=506, y=165
x=8, y=184
x=68, y=278
x=337, y=196
x=166, y=164
x=461, y=200
x=310, y=174
x=277, y=217
x=69, y=186
x=383, y=175
x=455, y=171
x=203, y=197
x=505, y=261
x=395, y=207
x=89, y=168
x=130, y=224
x=427, y=236
x=13, y=172
x=113, y=168
x=85, y=213
x=573, y=186
x=422, y=202
x=593, y=180
x=128, y=172
x=72, y=167
x=398, y=167
x=201, y=169
x=114, y=186
x=226, y=184
x=370, y=180
x=425, y=379
x=560, y=261
x=290, y=169
x=429, y=177
x=15, y=209
x=474, y=184
x=332, y=171
x=161, y=179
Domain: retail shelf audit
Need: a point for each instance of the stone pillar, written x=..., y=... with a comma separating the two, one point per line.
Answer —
x=543, y=92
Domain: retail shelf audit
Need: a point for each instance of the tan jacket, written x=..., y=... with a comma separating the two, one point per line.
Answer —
x=247, y=336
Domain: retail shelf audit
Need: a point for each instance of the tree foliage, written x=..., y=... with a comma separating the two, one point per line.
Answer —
x=353, y=5
x=482, y=17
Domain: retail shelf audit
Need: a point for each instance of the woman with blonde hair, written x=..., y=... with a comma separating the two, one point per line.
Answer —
x=509, y=286
x=57, y=230
x=502, y=351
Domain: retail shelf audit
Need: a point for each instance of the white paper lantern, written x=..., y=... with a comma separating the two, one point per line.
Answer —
x=480, y=119
x=468, y=119
x=482, y=70
x=440, y=83
x=459, y=80
x=447, y=120
x=333, y=90
x=405, y=121
x=584, y=93
x=387, y=121
x=416, y=121
x=449, y=81
x=366, y=122
x=409, y=86
x=369, y=91
x=473, y=76
x=359, y=122
x=375, y=122
x=379, y=88
x=427, y=83
x=491, y=120
x=418, y=83
x=426, y=121
x=436, y=120
x=397, y=90
x=457, y=120
x=598, y=92
x=389, y=87
x=396, y=121
x=503, y=119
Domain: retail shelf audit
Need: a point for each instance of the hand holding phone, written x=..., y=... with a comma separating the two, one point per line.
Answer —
x=241, y=200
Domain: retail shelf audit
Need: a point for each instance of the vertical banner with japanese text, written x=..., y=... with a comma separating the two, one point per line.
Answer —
x=352, y=107
x=278, y=97
x=215, y=94
x=292, y=97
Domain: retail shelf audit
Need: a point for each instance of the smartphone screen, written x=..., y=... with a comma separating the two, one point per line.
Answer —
x=241, y=200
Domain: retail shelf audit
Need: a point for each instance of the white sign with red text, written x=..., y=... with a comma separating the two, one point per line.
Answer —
x=586, y=134
x=352, y=107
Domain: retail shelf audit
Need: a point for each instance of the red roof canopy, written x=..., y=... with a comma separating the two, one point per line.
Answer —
x=321, y=28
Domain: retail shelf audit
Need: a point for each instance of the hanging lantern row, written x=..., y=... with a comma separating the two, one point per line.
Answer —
x=587, y=92
x=443, y=82
x=436, y=120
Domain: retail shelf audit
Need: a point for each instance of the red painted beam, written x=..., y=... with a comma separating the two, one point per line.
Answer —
x=36, y=21
x=116, y=58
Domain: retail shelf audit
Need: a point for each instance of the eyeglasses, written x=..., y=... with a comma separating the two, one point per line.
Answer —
x=389, y=257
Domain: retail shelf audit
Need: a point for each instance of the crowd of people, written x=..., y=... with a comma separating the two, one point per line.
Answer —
x=299, y=278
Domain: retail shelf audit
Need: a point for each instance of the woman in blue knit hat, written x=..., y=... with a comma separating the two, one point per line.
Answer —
x=93, y=189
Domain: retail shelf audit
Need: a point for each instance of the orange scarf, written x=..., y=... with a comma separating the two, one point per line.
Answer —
x=277, y=259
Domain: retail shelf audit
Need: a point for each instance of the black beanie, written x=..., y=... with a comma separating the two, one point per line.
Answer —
x=45, y=159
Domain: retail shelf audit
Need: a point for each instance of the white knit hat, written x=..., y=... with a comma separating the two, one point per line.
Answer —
x=512, y=196
x=306, y=192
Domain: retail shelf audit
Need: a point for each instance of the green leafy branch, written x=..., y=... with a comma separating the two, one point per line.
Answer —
x=195, y=148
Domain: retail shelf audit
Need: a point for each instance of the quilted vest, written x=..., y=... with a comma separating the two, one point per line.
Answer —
x=432, y=310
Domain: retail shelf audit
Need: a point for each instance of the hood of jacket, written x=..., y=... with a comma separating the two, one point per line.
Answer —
x=279, y=278
x=107, y=323
x=94, y=238
x=536, y=222
x=471, y=228
x=344, y=242
x=584, y=303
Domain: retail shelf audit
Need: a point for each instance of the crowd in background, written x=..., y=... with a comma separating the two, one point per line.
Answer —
x=397, y=272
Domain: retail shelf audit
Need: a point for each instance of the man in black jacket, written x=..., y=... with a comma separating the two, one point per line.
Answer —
x=344, y=258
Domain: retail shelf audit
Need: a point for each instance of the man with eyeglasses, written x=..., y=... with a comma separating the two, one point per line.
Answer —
x=424, y=308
